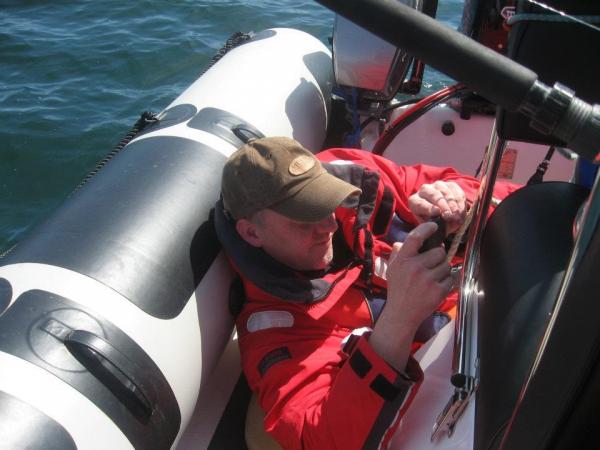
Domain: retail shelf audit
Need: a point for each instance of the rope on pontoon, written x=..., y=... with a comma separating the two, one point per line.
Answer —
x=7, y=251
x=235, y=40
x=145, y=119
x=148, y=117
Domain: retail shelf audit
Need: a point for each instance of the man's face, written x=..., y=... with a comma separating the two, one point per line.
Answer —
x=299, y=245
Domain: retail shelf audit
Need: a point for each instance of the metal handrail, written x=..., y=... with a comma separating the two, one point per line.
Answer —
x=464, y=364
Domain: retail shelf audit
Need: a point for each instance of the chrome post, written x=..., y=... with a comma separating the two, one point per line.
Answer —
x=464, y=363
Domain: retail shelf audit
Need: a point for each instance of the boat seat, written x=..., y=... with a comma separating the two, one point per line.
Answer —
x=256, y=436
x=557, y=51
x=524, y=251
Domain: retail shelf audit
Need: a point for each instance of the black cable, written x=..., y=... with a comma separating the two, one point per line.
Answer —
x=542, y=167
x=373, y=117
x=393, y=131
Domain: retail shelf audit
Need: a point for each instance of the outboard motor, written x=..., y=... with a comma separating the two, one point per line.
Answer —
x=377, y=69
x=367, y=62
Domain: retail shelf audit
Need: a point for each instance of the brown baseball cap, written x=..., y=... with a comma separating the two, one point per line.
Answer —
x=280, y=174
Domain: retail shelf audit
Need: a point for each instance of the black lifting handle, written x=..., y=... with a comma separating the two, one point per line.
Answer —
x=113, y=369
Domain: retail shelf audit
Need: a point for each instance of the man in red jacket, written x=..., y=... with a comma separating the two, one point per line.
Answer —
x=336, y=290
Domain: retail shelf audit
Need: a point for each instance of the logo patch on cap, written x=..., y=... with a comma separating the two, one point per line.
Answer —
x=301, y=164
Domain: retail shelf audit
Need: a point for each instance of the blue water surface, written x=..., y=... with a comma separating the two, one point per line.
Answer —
x=75, y=76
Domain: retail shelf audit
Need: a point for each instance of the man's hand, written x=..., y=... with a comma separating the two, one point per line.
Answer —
x=442, y=198
x=417, y=284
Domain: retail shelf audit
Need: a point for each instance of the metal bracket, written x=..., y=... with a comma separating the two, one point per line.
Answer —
x=447, y=419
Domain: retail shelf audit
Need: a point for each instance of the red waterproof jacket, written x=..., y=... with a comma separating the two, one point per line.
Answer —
x=321, y=386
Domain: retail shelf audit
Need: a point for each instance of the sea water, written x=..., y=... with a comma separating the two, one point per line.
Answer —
x=75, y=76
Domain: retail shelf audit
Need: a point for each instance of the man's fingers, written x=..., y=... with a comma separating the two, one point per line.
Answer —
x=461, y=201
x=430, y=259
x=446, y=285
x=395, y=250
x=424, y=209
x=431, y=195
x=414, y=240
x=438, y=194
x=445, y=199
x=433, y=258
x=448, y=197
x=440, y=272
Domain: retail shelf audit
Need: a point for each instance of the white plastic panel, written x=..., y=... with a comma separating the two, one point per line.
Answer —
x=424, y=142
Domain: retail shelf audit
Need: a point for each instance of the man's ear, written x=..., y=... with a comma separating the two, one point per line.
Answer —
x=247, y=230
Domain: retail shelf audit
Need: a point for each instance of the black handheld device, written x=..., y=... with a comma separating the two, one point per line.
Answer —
x=437, y=238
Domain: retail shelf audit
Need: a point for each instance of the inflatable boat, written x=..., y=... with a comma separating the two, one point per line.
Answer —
x=115, y=330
